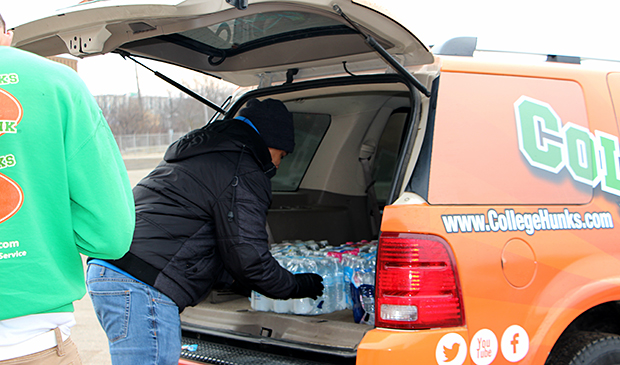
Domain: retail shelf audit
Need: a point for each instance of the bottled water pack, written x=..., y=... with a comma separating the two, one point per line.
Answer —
x=348, y=273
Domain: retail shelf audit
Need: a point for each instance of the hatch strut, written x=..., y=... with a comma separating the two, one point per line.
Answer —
x=384, y=54
x=214, y=106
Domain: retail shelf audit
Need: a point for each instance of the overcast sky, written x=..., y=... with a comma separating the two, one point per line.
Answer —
x=568, y=27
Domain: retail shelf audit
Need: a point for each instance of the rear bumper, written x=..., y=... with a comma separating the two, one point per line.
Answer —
x=382, y=346
x=218, y=350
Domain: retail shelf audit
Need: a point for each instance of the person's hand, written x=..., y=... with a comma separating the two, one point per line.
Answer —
x=308, y=286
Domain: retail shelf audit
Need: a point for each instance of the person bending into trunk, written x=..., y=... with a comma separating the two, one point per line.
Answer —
x=200, y=214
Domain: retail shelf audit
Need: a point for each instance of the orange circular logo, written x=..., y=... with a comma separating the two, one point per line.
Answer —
x=11, y=112
x=11, y=197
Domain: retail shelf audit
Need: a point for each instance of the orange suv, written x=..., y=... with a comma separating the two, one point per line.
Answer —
x=493, y=188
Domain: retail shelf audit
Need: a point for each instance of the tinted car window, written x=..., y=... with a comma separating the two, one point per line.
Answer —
x=309, y=131
x=255, y=30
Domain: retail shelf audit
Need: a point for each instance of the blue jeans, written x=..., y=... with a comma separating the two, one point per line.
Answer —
x=142, y=324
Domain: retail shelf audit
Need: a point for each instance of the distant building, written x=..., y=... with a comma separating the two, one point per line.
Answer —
x=65, y=61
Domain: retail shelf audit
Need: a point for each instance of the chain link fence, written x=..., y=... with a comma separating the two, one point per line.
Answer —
x=140, y=144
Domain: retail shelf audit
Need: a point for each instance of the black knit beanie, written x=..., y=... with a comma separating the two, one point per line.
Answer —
x=273, y=121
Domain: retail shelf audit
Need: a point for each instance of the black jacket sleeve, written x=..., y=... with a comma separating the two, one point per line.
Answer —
x=242, y=237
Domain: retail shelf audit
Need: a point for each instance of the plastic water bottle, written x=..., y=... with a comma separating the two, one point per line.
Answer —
x=260, y=302
x=348, y=263
x=323, y=304
x=367, y=293
x=330, y=294
x=282, y=306
x=279, y=305
x=362, y=290
x=301, y=305
x=340, y=300
x=319, y=303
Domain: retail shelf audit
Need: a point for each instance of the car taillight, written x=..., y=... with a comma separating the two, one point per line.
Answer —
x=417, y=283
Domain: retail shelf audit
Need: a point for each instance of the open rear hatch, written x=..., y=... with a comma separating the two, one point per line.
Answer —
x=245, y=47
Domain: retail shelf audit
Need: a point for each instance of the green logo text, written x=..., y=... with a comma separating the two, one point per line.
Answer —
x=591, y=159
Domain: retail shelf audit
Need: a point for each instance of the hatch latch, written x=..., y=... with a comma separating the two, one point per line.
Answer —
x=239, y=4
x=266, y=332
x=83, y=42
x=290, y=73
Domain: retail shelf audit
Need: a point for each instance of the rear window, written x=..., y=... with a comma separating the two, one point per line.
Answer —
x=613, y=80
x=309, y=132
x=510, y=140
x=257, y=30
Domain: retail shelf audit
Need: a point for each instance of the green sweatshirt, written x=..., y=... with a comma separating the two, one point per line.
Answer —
x=64, y=188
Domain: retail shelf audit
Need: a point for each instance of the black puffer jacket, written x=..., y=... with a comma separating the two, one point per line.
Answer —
x=203, y=211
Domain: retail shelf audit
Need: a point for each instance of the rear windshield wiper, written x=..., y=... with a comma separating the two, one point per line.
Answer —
x=189, y=92
x=384, y=54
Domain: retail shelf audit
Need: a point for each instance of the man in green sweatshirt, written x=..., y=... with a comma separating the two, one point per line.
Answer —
x=64, y=191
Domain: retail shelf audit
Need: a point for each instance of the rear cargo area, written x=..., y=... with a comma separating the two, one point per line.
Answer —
x=320, y=194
